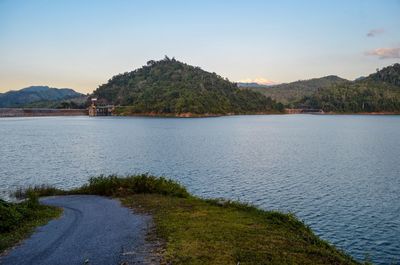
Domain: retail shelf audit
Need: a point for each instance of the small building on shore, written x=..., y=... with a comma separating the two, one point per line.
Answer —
x=96, y=110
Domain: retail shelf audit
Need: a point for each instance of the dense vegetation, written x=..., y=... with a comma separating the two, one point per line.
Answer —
x=169, y=86
x=17, y=220
x=73, y=103
x=42, y=97
x=389, y=75
x=354, y=98
x=379, y=92
x=290, y=93
x=207, y=231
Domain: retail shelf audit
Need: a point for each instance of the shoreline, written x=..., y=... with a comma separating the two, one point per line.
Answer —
x=191, y=115
x=39, y=112
x=187, y=227
x=363, y=113
x=208, y=115
x=28, y=112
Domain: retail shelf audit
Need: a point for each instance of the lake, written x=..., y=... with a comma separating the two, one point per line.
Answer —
x=338, y=173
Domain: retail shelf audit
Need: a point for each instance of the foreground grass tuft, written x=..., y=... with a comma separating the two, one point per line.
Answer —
x=18, y=220
x=39, y=190
x=114, y=186
x=123, y=186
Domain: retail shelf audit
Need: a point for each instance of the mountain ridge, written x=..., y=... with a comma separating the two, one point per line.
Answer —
x=41, y=95
x=294, y=91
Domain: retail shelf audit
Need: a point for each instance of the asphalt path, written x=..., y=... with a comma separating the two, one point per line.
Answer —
x=92, y=230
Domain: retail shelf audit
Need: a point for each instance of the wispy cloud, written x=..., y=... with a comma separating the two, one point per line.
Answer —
x=374, y=32
x=385, y=53
x=258, y=80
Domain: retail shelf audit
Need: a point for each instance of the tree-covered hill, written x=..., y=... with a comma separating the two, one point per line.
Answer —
x=39, y=96
x=389, y=75
x=291, y=92
x=379, y=92
x=172, y=87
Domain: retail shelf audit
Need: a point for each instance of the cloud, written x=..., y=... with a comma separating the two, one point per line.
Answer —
x=385, y=53
x=258, y=80
x=374, y=32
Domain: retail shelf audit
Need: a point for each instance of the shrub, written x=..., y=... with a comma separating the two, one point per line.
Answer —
x=9, y=216
x=13, y=214
x=110, y=186
x=120, y=186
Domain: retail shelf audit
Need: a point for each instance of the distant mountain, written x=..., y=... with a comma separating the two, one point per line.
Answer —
x=172, y=87
x=37, y=96
x=378, y=92
x=251, y=85
x=295, y=91
x=359, y=78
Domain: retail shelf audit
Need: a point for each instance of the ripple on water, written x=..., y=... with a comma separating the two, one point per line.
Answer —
x=340, y=174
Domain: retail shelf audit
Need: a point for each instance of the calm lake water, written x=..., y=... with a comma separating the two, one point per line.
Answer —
x=340, y=174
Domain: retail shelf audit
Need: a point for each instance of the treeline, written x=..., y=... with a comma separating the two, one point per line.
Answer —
x=389, y=75
x=379, y=92
x=76, y=103
x=354, y=98
x=169, y=86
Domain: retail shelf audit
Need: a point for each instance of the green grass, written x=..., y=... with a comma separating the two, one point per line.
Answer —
x=18, y=220
x=200, y=231
x=197, y=231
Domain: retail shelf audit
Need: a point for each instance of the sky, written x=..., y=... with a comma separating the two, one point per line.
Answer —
x=81, y=44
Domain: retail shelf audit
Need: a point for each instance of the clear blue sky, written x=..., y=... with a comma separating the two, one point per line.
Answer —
x=82, y=43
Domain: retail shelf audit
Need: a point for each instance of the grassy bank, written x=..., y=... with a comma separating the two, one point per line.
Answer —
x=18, y=220
x=199, y=231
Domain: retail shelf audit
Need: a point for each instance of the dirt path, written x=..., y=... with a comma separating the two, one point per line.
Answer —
x=92, y=230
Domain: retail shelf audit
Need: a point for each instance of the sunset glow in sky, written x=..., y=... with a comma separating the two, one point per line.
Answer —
x=81, y=44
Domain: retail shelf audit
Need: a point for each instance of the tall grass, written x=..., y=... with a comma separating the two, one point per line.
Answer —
x=121, y=186
x=39, y=190
x=113, y=185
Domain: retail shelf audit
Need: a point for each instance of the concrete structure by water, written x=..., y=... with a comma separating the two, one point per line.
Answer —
x=33, y=112
x=95, y=110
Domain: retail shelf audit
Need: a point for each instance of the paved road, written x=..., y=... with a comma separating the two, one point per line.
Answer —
x=92, y=230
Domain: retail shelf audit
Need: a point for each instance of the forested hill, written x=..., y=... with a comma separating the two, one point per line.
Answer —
x=379, y=92
x=295, y=91
x=389, y=75
x=172, y=87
